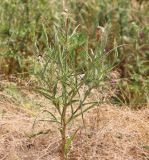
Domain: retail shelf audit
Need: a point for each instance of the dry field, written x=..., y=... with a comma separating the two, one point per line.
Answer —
x=110, y=133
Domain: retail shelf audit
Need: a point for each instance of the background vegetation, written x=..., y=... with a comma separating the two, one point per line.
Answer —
x=27, y=31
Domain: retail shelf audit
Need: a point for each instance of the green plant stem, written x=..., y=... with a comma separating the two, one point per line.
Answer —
x=63, y=134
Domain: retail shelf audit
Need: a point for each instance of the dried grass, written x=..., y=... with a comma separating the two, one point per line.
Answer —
x=111, y=133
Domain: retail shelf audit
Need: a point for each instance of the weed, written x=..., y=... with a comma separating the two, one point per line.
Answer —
x=77, y=71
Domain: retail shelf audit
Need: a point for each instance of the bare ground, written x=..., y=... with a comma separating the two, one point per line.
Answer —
x=111, y=133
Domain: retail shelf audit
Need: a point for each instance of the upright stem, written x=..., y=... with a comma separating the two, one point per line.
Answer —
x=64, y=91
x=63, y=134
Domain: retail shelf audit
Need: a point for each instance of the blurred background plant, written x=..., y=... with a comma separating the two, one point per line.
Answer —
x=26, y=32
